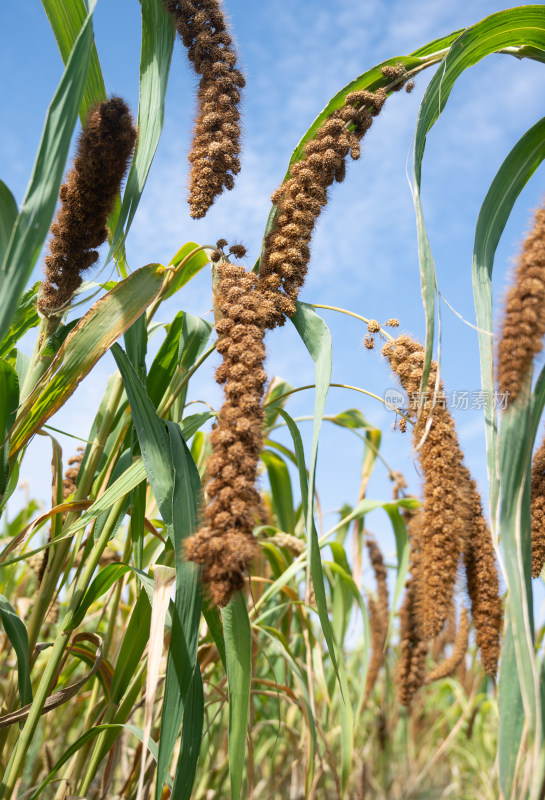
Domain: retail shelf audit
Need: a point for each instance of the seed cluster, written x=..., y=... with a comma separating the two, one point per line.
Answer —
x=104, y=149
x=216, y=141
x=445, y=514
x=482, y=579
x=378, y=614
x=538, y=511
x=225, y=545
x=447, y=667
x=524, y=320
x=71, y=474
x=413, y=649
x=451, y=523
x=301, y=198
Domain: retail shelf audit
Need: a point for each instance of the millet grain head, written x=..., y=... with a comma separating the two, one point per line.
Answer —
x=450, y=664
x=446, y=513
x=524, y=317
x=301, y=198
x=215, y=150
x=87, y=199
x=378, y=614
x=411, y=665
x=538, y=511
x=483, y=584
x=225, y=545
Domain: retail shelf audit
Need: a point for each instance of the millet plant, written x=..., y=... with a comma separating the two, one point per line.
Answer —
x=176, y=623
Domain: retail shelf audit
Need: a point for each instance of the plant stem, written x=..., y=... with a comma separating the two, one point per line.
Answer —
x=56, y=564
x=338, y=386
x=16, y=762
x=352, y=314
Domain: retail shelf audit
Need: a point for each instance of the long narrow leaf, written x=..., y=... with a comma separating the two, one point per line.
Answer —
x=238, y=649
x=157, y=45
x=38, y=206
x=17, y=634
x=86, y=343
x=66, y=20
x=316, y=337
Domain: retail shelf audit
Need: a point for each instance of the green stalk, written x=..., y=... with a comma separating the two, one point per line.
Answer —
x=56, y=564
x=17, y=759
x=48, y=586
x=81, y=757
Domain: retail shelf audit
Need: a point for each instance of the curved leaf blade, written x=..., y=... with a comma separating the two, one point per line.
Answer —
x=86, y=343
x=17, y=634
x=156, y=55
x=36, y=212
x=238, y=651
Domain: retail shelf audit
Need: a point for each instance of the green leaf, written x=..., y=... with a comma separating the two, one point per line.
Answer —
x=317, y=339
x=132, y=647
x=195, y=335
x=66, y=20
x=165, y=362
x=8, y=216
x=134, y=475
x=156, y=54
x=402, y=552
x=103, y=581
x=182, y=702
x=87, y=737
x=238, y=649
x=511, y=28
x=86, y=343
x=38, y=205
x=191, y=424
x=17, y=634
x=275, y=389
x=191, y=268
x=25, y=317
x=9, y=400
x=186, y=767
x=511, y=714
x=514, y=173
x=213, y=620
x=353, y=419
x=152, y=436
x=175, y=482
x=512, y=177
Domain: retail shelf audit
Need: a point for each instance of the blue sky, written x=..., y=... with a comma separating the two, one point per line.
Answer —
x=296, y=54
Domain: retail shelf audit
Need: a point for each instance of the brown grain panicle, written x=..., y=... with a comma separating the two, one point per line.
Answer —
x=413, y=649
x=378, y=614
x=447, y=667
x=446, y=514
x=538, y=510
x=482, y=579
x=524, y=317
x=87, y=198
x=225, y=545
x=215, y=150
x=301, y=198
